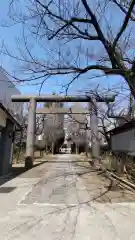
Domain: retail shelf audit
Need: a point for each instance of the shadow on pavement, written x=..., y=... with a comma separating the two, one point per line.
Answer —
x=16, y=171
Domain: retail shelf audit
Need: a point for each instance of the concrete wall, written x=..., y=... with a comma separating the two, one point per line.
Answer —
x=7, y=89
x=6, y=139
x=124, y=142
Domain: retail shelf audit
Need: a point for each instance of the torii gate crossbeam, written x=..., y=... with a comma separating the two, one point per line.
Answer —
x=32, y=119
x=53, y=98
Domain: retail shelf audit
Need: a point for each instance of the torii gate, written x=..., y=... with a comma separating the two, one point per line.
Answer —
x=92, y=100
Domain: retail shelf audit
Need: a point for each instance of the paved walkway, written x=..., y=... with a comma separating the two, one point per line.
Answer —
x=64, y=199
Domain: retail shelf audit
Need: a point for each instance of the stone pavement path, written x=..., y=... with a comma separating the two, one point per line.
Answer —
x=64, y=199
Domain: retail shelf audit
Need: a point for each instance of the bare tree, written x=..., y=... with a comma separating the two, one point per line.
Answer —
x=109, y=116
x=83, y=39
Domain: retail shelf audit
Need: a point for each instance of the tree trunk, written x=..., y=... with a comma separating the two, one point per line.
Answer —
x=46, y=148
x=53, y=147
x=41, y=153
x=131, y=82
x=121, y=166
x=77, y=152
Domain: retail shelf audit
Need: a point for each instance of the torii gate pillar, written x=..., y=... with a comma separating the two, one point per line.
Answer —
x=95, y=143
x=31, y=134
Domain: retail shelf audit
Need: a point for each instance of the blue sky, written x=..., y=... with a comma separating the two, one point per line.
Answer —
x=8, y=35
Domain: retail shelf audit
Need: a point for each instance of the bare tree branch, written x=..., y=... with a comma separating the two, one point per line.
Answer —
x=125, y=23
